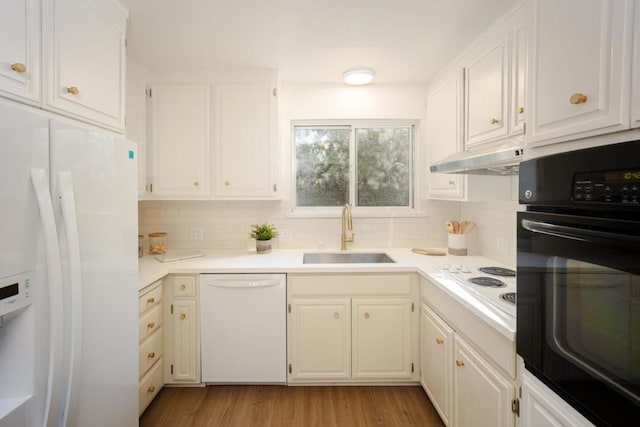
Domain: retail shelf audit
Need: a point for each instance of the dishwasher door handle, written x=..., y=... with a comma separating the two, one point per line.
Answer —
x=246, y=284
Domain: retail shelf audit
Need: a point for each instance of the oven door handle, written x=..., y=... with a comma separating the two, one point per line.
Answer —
x=579, y=234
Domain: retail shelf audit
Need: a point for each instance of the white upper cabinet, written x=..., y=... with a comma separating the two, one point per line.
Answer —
x=487, y=91
x=635, y=70
x=518, y=72
x=135, y=125
x=179, y=158
x=245, y=129
x=20, y=50
x=578, y=76
x=84, y=58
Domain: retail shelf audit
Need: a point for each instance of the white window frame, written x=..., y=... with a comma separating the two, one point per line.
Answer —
x=361, y=211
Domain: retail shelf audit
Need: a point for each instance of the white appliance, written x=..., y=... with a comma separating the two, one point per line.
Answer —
x=243, y=328
x=68, y=226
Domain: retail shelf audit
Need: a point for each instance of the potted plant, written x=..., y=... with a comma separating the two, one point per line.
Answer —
x=263, y=235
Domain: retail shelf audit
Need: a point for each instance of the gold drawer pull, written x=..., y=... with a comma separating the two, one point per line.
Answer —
x=366, y=315
x=459, y=363
x=439, y=341
x=183, y=287
x=336, y=315
x=227, y=183
x=151, y=300
x=494, y=121
x=521, y=110
x=151, y=355
x=151, y=325
x=183, y=316
x=19, y=67
x=73, y=90
x=151, y=389
x=196, y=183
x=578, y=98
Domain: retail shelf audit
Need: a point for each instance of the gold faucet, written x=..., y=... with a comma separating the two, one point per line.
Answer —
x=349, y=223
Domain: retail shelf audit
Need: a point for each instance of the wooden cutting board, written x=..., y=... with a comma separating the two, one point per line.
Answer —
x=432, y=252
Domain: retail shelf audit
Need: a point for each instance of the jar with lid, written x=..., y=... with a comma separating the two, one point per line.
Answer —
x=157, y=243
x=140, y=237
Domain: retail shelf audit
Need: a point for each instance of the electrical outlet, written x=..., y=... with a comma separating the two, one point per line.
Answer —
x=503, y=246
x=284, y=234
x=196, y=233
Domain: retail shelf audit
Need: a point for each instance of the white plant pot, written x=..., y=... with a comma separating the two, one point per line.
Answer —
x=263, y=246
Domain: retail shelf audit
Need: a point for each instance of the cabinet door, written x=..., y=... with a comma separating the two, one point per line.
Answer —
x=481, y=395
x=579, y=70
x=444, y=134
x=85, y=60
x=541, y=407
x=244, y=143
x=635, y=70
x=320, y=339
x=437, y=353
x=179, y=164
x=20, y=50
x=486, y=92
x=135, y=126
x=184, y=360
x=518, y=72
x=382, y=339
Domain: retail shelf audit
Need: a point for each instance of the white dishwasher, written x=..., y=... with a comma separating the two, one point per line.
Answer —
x=243, y=328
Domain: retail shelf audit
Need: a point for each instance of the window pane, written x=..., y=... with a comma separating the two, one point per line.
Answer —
x=383, y=166
x=322, y=166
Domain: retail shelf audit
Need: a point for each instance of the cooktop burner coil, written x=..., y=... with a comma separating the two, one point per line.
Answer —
x=487, y=281
x=509, y=297
x=498, y=271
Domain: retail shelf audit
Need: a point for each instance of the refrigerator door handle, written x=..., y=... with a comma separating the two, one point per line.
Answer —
x=70, y=221
x=40, y=183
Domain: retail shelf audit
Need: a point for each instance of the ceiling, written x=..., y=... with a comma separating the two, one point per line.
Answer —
x=405, y=41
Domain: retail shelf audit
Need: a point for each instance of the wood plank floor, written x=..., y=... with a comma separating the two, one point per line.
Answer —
x=261, y=405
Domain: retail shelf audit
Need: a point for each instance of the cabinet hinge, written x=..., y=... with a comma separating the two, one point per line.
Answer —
x=151, y=187
x=289, y=308
x=290, y=370
x=524, y=128
x=515, y=407
x=172, y=369
x=412, y=368
x=275, y=187
x=171, y=308
x=126, y=42
x=149, y=92
x=413, y=306
x=275, y=92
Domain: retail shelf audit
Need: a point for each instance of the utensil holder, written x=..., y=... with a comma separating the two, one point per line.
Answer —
x=457, y=244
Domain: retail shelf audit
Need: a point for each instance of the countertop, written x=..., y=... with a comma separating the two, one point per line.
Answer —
x=290, y=261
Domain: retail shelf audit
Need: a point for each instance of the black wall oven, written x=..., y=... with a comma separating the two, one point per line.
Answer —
x=578, y=294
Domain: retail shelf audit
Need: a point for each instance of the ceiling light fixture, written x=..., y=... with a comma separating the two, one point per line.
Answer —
x=358, y=76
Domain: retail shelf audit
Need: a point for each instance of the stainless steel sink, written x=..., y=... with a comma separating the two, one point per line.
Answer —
x=345, y=258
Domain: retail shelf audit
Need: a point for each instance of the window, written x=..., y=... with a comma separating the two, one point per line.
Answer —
x=366, y=164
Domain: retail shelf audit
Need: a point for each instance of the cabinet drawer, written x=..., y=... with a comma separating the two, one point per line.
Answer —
x=150, y=299
x=149, y=323
x=184, y=286
x=149, y=387
x=150, y=352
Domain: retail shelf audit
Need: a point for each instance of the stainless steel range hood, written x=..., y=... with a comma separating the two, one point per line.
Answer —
x=500, y=162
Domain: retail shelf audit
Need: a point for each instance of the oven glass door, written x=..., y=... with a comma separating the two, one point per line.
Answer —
x=579, y=311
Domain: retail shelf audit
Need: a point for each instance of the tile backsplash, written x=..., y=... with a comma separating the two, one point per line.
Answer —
x=226, y=225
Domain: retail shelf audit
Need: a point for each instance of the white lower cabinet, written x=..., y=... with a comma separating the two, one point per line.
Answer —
x=151, y=341
x=182, y=350
x=467, y=367
x=352, y=328
x=541, y=407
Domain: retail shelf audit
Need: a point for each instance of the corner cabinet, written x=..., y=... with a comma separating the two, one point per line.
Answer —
x=579, y=73
x=20, y=48
x=182, y=360
x=352, y=328
x=244, y=141
x=135, y=125
x=84, y=60
x=151, y=344
x=179, y=156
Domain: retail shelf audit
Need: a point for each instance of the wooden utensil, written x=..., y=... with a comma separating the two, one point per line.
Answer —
x=456, y=227
x=432, y=252
x=449, y=226
x=467, y=227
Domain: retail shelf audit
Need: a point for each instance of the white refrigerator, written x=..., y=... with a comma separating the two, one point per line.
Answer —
x=68, y=274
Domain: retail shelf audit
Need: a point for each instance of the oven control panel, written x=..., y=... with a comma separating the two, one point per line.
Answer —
x=620, y=186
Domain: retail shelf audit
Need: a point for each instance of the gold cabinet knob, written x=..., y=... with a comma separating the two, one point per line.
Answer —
x=366, y=315
x=196, y=183
x=336, y=315
x=151, y=300
x=452, y=183
x=226, y=183
x=521, y=110
x=19, y=67
x=494, y=121
x=151, y=389
x=183, y=287
x=151, y=325
x=459, y=363
x=578, y=98
x=151, y=355
x=183, y=316
x=73, y=90
x=439, y=341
